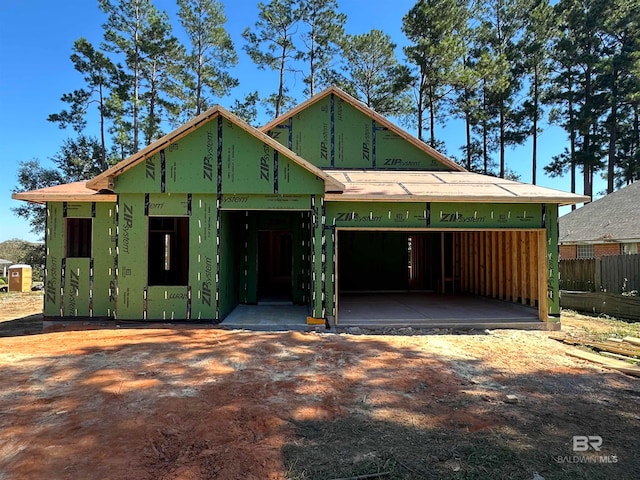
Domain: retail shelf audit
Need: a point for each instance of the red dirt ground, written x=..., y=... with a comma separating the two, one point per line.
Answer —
x=198, y=403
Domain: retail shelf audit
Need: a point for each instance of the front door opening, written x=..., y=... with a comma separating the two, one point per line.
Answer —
x=275, y=266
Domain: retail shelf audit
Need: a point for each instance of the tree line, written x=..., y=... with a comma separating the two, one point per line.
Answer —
x=502, y=68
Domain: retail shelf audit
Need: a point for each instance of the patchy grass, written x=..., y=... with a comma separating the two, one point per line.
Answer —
x=597, y=328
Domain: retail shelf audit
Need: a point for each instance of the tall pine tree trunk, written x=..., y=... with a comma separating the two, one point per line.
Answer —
x=432, y=117
x=502, y=138
x=613, y=134
x=572, y=139
x=534, y=140
x=103, y=145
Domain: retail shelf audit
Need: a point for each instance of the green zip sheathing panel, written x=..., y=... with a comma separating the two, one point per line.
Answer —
x=266, y=202
x=55, y=257
x=373, y=261
x=167, y=205
x=80, y=287
x=252, y=167
x=553, y=280
x=318, y=258
x=332, y=133
x=166, y=302
x=76, y=273
x=103, y=291
x=78, y=209
x=188, y=165
x=496, y=215
x=377, y=215
x=247, y=165
x=231, y=224
x=433, y=215
x=249, y=281
x=202, y=253
x=132, y=256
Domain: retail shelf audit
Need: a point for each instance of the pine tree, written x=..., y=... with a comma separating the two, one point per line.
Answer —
x=100, y=76
x=322, y=39
x=159, y=69
x=271, y=45
x=370, y=72
x=134, y=28
x=540, y=28
x=500, y=26
x=435, y=29
x=579, y=49
x=621, y=42
x=210, y=55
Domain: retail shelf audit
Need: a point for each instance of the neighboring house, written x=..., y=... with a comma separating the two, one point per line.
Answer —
x=329, y=198
x=607, y=226
x=4, y=265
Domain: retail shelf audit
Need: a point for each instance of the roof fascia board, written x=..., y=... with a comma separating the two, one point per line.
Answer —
x=346, y=197
x=40, y=196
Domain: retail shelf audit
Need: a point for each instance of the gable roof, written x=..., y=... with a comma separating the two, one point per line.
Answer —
x=458, y=187
x=614, y=217
x=104, y=181
x=357, y=104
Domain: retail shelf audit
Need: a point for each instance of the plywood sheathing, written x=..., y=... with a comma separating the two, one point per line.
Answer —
x=379, y=119
x=105, y=179
x=70, y=192
x=371, y=185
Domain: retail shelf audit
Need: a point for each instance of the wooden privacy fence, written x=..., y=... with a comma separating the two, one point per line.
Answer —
x=597, y=303
x=596, y=285
x=615, y=274
x=578, y=274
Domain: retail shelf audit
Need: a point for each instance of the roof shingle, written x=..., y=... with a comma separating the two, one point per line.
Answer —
x=614, y=217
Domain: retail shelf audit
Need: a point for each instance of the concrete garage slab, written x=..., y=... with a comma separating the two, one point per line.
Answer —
x=380, y=310
x=430, y=310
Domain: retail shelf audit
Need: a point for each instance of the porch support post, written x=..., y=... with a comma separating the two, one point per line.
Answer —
x=553, y=289
x=318, y=260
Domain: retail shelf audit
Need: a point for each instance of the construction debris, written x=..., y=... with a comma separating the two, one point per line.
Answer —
x=620, y=355
x=611, y=363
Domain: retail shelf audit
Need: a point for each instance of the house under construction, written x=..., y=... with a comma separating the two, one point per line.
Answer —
x=331, y=203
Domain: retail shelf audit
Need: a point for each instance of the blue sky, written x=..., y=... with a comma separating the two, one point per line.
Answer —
x=35, y=44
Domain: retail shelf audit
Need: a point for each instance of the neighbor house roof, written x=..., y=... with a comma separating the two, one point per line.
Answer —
x=68, y=192
x=105, y=179
x=375, y=185
x=380, y=120
x=5, y=262
x=614, y=217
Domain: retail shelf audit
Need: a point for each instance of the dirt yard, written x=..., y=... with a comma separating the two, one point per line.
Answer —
x=185, y=402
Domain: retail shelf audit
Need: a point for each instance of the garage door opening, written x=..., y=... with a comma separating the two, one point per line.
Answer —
x=452, y=276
